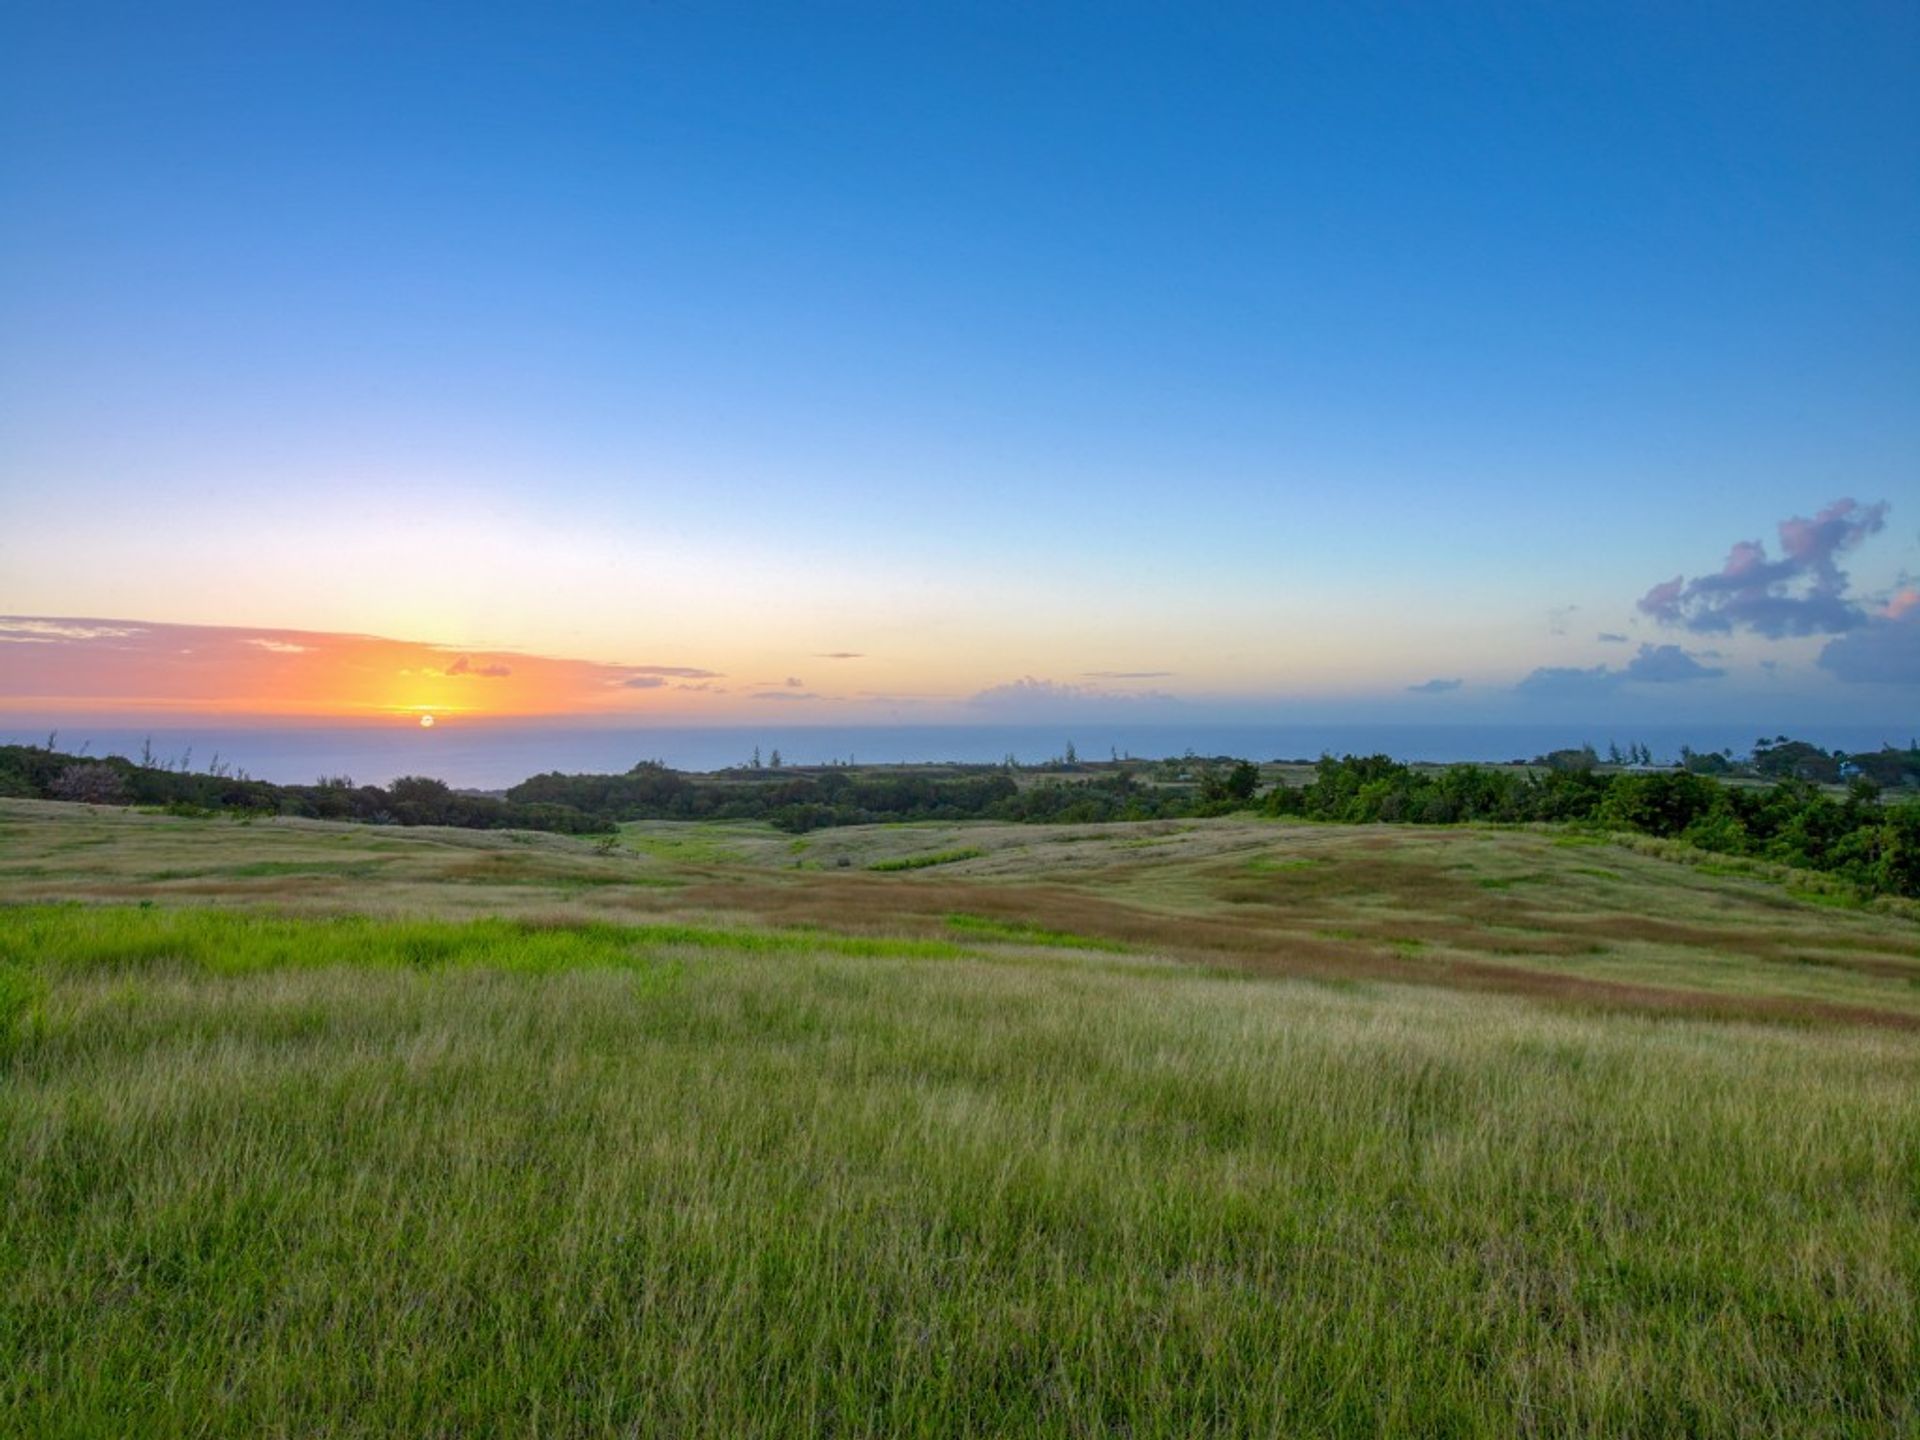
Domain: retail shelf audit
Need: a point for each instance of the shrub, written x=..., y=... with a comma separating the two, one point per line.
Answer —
x=89, y=784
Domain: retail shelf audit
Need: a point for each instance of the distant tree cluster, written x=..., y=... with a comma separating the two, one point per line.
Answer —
x=809, y=801
x=1872, y=845
x=35, y=772
x=793, y=801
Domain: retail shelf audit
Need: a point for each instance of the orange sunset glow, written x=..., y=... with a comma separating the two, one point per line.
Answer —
x=113, y=666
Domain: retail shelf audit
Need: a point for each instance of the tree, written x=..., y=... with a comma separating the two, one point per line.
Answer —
x=1569, y=760
x=94, y=784
x=1229, y=787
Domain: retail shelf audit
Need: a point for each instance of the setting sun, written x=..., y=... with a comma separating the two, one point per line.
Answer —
x=426, y=722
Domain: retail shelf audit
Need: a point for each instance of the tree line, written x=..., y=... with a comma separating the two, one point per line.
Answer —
x=1858, y=836
x=36, y=772
x=1869, y=843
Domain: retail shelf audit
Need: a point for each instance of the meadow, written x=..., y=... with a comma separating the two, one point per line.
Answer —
x=1231, y=1126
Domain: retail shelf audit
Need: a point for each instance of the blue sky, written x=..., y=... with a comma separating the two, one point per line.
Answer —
x=1302, y=353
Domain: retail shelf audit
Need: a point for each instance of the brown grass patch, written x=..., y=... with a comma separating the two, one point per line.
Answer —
x=869, y=904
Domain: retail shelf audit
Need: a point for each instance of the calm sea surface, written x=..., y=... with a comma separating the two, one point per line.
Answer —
x=493, y=756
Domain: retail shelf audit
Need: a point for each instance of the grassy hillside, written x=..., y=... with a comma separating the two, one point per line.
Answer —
x=1214, y=1128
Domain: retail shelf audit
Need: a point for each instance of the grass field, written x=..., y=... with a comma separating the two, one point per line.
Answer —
x=1222, y=1127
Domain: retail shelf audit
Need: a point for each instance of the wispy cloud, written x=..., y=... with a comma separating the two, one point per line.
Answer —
x=783, y=695
x=1434, y=687
x=1048, y=698
x=840, y=655
x=36, y=630
x=492, y=671
x=673, y=672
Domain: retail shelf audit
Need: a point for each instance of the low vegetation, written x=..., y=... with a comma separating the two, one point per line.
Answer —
x=1220, y=1127
x=923, y=862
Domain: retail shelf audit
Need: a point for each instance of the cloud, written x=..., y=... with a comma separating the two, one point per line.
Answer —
x=1434, y=687
x=1653, y=665
x=1666, y=665
x=1803, y=592
x=465, y=666
x=1612, y=637
x=794, y=682
x=1885, y=651
x=675, y=672
x=34, y=630
x=840, y=655
x=783, y=695
x=62, y=663
x=1556, y=682
x=1028, y=688
x=1127, y=674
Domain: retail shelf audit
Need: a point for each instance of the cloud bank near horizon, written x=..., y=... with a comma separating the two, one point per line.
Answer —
x=1653, y=665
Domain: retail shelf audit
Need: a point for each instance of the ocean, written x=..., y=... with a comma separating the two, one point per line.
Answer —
x=494, y=755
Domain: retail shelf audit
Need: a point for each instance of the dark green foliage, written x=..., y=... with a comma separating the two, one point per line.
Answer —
x=1871, y=845
x=802, y=801
x=1706, y=762
x=31, y=772
x=1583, y=758
x=1230, y=788
x=1784, y=759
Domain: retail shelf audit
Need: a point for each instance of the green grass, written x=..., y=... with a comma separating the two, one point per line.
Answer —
x=1274, y=864
x=719, y=844
x=1020, y=932
x=345, y=1176
x=45, y=938
x=922, y=862
x=506, y=1135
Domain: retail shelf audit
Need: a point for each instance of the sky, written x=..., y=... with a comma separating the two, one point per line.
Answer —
x=894, y=362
